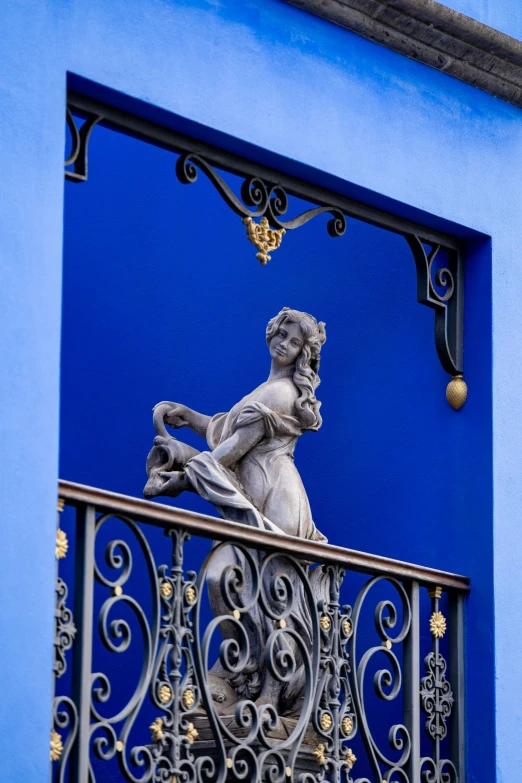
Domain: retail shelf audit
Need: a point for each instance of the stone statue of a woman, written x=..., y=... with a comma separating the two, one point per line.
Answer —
x=248, y=473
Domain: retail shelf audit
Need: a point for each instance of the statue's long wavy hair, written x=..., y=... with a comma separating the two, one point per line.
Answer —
x=306, y=374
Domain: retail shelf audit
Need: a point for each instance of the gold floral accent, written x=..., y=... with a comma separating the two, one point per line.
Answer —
x=438, y=625
x=347, y=627
x=62, y=545
x=347, y=724
x=324, y=622
x=119, y=746
x=60, y=505
x=263, y=237
x=192, y=733
x=165, y=693
x=156, y=730
x=326, y=721
x=229, y=763
x=282, y=623
x=56, y=746
x=188, y=698
x=350, y=758
x=288, y=772
x=435, y=592
x=319, y=755
x=191, y=594
x=166, y=589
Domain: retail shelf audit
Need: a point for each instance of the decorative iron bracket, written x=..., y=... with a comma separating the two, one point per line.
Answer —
x=79, y=156
x=259, y=199
x=264, y=196
x=442, y=291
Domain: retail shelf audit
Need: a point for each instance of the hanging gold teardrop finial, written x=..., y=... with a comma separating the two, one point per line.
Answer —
x=457, y=392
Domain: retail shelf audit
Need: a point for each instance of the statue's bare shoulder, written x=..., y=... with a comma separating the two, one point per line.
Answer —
x=280, y=396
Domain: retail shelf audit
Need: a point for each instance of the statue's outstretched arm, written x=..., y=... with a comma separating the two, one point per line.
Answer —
x=176, y=415
x=240, y=443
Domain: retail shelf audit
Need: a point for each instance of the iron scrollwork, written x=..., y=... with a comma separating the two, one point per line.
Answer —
x=259, y=199
x=116, y=636
x=78, y=158
x=65, y=713
x=174, y=689
x=268, y=661
x=288, y=697
x=64, y=629
x=334, y=716
x=387, y=682
x=441, y=290
x=437, y=701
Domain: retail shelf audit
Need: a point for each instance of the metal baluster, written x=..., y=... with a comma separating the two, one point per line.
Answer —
x=84, y=589
x=435, y=594
x=457, y=727
x=411, y=665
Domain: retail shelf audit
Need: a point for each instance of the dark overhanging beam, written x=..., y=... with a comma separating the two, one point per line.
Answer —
x=435, y=35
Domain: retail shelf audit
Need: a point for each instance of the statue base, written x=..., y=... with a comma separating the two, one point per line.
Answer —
x=306, y=760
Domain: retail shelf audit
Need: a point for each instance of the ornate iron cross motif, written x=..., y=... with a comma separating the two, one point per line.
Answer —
x=436, y=700
x=264, y=197
x=436, y=696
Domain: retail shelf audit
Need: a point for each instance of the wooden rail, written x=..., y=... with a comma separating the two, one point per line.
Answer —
x=223, y=530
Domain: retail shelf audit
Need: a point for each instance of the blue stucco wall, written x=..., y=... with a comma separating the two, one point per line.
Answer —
x=369, y=122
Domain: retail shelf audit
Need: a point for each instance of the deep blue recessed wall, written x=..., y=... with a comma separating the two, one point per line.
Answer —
x=163, y=298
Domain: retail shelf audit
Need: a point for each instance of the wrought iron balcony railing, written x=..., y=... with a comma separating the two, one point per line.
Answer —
x=252, y=666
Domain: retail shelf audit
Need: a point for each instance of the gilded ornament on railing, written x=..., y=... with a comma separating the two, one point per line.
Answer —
x=347, y=627
x=266, y=239
x=326, y=721
x=319, y=755
x=347, y=724
x=188, y=698
x=62, y=545
x=190, y=594
x=56, y=745
x=165, y=694
x=438, y=625
x=156, y=730
x=350, y=758
x=324, y=622
x=166, y=589
x=192, y=734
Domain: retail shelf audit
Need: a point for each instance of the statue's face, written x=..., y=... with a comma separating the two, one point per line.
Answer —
x=286, y=345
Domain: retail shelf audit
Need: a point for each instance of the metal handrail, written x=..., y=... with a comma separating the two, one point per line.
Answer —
x=223, y=530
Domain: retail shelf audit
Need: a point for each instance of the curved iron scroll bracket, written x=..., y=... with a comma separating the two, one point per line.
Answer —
x=442, y=289
x=79, y=157
x=259, y=199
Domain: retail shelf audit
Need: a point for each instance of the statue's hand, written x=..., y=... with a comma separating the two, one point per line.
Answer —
x=176, y=416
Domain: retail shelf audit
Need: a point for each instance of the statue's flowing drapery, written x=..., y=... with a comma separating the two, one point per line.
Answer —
x=264, y=490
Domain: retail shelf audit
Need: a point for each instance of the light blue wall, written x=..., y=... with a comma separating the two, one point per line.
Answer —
x=504, y=15
x=368, y=122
